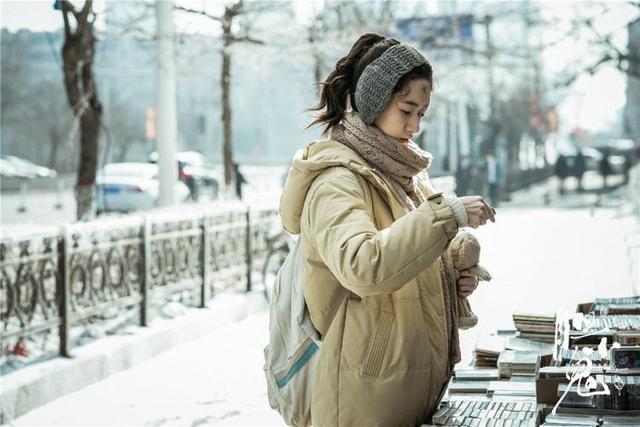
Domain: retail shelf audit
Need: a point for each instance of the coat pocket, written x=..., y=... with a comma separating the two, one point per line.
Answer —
x=378, y=345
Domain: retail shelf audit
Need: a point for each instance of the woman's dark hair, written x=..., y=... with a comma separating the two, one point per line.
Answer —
x=342, y=81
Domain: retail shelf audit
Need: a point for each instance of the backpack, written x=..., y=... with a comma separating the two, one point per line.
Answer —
x=292, y=355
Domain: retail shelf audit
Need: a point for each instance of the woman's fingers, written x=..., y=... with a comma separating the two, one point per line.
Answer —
x=489, y=211
x=467, y=283
x=464, y=294
x=478, y=211
x=466, y=273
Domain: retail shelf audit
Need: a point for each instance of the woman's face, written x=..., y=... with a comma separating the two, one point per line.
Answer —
x=401, y=118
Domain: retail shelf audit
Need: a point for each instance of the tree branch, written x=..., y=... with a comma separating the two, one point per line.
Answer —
x=198, y=12
x=83, y=16
x=235, y=9
x=249, y=39
x=66, y=8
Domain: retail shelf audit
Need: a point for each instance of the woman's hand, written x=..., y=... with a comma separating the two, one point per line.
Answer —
x=467, y=283
x=478, y=211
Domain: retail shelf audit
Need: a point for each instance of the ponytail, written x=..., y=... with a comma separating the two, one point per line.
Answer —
x=341, y=82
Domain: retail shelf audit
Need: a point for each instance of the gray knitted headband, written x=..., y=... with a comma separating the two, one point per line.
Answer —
x=378, y=79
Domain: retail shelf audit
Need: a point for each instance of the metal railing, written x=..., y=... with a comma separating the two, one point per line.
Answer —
x=55, y=279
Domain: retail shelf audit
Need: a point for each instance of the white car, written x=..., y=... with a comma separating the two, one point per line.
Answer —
x=125, y=187
x=195, y=171
x=12, y=166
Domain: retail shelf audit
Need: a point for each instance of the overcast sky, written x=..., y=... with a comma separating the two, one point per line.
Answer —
x=592, y=103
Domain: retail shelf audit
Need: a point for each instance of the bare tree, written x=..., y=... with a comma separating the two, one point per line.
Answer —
x=602, y=44
x=78, y=53
x=226, y=20
x=341, y=21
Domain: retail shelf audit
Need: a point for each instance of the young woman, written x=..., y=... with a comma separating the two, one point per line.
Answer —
x=372, y=232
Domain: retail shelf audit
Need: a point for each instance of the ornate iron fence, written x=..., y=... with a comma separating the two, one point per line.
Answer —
x=55, y=279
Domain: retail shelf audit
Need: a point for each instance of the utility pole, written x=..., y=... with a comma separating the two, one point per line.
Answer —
x=166, y=103
x=489, y=143
x=225, y=81
x=489, y=53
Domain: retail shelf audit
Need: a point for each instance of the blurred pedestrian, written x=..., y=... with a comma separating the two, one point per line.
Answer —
x=561, y=171
x=189, y=181
x=239, y=179
x=605, y=168
x=463, y=176
x=494, y=177
x=579, y=168
x=373, y=231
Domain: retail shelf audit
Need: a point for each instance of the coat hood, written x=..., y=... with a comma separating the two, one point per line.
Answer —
x=307, y=165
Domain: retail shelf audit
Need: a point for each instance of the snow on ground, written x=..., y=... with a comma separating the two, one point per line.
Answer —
x=215, y=380
x=540, y=258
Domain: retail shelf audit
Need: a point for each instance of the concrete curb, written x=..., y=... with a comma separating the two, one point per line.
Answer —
x=39, y=384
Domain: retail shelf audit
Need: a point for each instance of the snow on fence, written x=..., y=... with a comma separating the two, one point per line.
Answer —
x=55, y=279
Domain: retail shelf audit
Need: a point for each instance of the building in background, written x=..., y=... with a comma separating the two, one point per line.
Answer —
x=489, y=95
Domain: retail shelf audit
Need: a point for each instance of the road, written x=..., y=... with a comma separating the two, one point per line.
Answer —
x=39, y=208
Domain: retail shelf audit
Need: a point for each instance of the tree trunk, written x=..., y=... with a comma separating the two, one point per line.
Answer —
x=78, y=53
x=317, y=69
x=89, y=134
x=228, y=38
x=85, y=202
x=54, y=144
x=225, y=81
x=317, y=59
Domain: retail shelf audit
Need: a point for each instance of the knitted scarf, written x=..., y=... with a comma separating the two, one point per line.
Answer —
x=403, y=165
x=400, y=163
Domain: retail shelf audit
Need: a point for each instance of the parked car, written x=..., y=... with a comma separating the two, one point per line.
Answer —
x=12, y=166
x=195, y=172
x=125, y=187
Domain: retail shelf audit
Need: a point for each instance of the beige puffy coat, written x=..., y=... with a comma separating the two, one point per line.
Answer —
x=373, y=288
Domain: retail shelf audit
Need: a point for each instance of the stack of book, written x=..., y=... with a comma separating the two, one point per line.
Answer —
x=522, y=344
x=624, y=397
x=562, y=371
x=472, y=380
x=487, y=413
x=475, y=374
x=537, y=327
x=628, y=338
x=615, y=322
x=575, y=419
x=568, y=356
x=512, y=389
x=589, y=420
x=627, y=305
x=623, y=385
x=565, y=420
x=473, y=387
x=487, y=351
x=517, y=363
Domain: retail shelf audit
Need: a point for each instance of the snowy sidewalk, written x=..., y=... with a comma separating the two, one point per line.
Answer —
x=215, y=380
x=540, y=258
x=196, y=344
